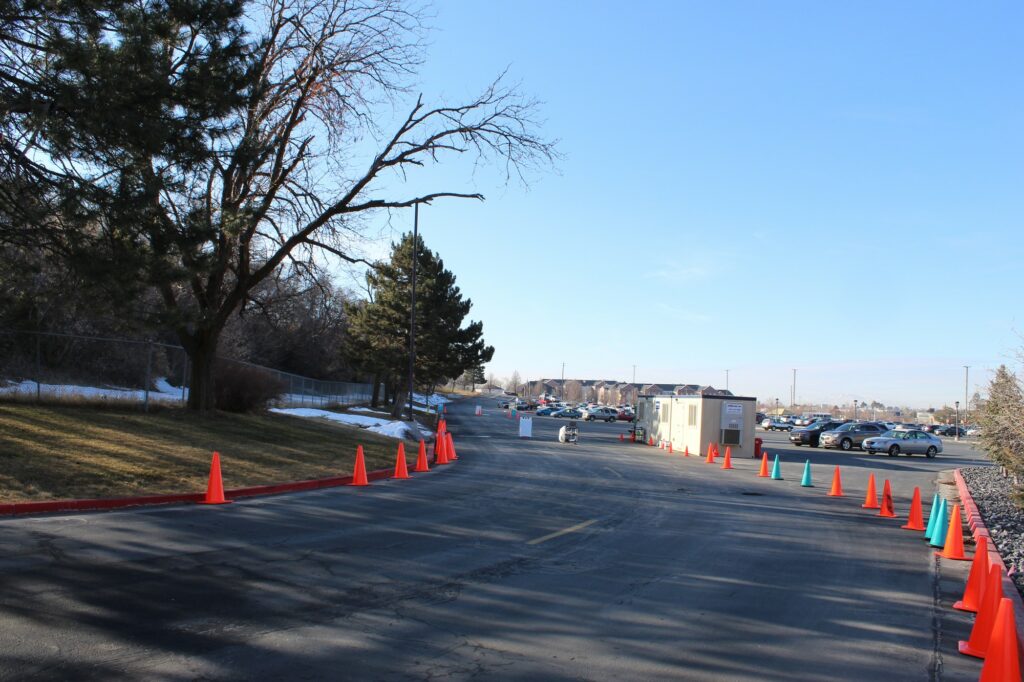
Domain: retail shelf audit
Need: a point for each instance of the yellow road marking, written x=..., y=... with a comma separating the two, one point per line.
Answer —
x=559, y=533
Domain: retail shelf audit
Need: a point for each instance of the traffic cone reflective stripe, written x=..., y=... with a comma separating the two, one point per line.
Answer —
x=954, y=547
x=401, y=468
x=933, y=514
x=871, y=498
x=727, y=462
x=764, y=465
x=886, y=510
x=359, y=472
x=837, y=485
x=421, y=459
x=941, y=526
x=981, y=633
x=916, y=519
x=975, y=579
x=215, y=485
x=1002, y=660
x=806, y=482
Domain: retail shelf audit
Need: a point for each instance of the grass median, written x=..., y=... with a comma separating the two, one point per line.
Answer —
x=67, y=452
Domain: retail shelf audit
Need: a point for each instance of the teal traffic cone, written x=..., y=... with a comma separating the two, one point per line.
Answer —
x=806, y=480
x=776, y=470
x=932, y=515
x=941, y=527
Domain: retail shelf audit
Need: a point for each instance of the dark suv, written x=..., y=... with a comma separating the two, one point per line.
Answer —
x=851, y=435
x=811, y=435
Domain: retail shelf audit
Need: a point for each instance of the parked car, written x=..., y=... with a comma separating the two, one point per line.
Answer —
x=811, y=435
x=974, y=431
x=910, y=442
x=545, y=411
x=567, y=413
x=952, y=431
x=600, y=414
x=625, y=416
x=776, y=425
x=934, y=428
x=849, y=436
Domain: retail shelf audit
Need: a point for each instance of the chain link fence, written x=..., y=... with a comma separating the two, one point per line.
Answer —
x=88, y=369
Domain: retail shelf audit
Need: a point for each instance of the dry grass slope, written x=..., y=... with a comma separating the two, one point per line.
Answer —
x=62, y=452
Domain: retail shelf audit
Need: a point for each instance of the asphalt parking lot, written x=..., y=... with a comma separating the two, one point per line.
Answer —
x=524, y=559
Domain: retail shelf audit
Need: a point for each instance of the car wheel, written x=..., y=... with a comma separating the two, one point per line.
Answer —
x=894, y=450
x=798, y=444
x=932, y=451
x=846, y=444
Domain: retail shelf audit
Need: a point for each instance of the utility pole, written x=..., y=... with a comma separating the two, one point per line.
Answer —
x=562, y=385
x=412, y=306
x=967, y=404
x=727, y=380
x=634, y=374
x=792, y=400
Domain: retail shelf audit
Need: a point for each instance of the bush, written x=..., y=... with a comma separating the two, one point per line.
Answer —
x=241, y=388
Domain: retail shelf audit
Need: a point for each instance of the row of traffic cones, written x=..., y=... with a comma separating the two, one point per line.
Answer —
x=444, y=453
x=994, y=634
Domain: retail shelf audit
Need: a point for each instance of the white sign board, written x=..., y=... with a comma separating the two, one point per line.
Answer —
x=526, y=427
x=732, y=415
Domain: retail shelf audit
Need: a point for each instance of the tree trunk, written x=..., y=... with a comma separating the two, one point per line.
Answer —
x=201, y=348
x=401, y=402
x=375, y=398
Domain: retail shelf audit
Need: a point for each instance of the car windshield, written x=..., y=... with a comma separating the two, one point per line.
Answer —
x=898, y=435
x=847, y=427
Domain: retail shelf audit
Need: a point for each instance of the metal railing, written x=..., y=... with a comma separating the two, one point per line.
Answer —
x=84, y=368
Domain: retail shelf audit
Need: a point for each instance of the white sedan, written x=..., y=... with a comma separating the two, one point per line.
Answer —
x=908, y=442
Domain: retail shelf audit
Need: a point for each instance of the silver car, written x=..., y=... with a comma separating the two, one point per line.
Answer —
x=908, y=442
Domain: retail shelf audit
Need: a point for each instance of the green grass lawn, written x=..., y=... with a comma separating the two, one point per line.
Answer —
x=59, y=452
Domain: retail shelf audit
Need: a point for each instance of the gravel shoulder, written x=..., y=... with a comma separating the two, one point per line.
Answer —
x=1005, y=521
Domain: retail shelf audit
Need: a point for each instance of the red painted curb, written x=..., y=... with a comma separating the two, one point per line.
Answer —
x=18, y=508
x=978, y=526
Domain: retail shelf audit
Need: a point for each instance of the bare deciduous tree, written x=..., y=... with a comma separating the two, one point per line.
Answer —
x=276, y=178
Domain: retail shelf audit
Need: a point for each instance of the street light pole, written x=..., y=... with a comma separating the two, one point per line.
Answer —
x=634, y=375
x=967, y=403
x=792, y=399
x=412, y=304
x=727, y=380
x=562, y=385
x=956, y=422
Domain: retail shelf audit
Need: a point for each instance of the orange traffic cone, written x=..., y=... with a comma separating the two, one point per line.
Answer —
x=650, y=441
x=1002, y=662
x=622, y=438
x=954, y=547
x=670, y=447
x=421, y=459
x=450, y=447
x=991, y=595
x=871, y=498
x=401, y=469
x=727, y=462
x=359, y=473
x=916, y=519
x=215, y=486
x=837, y=485
x=975, y=579
x=441, y=456
x=886, y=509
x=661, y=445
x=764, y=465
x=686, y=451
x=711, y=454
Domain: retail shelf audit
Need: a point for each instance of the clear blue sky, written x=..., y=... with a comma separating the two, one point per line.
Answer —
x=832, y=187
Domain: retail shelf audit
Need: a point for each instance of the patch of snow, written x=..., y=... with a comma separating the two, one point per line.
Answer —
x=164, y=393
x=385, y=427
